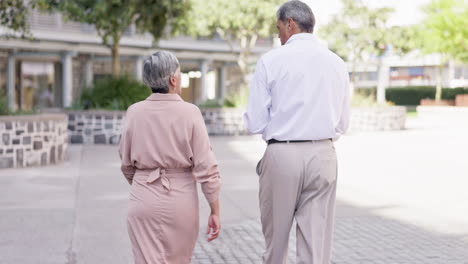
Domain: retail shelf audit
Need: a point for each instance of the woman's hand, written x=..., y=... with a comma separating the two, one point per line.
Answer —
x=214, y=223
x=214, y=226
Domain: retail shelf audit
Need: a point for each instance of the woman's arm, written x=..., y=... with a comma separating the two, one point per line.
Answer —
x=205, y=170
x=126, y=167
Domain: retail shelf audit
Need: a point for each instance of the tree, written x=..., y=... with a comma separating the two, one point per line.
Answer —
x=112, y=18
x=13, y=15
x=445, y=31
x=239, y=22
x=358, y=33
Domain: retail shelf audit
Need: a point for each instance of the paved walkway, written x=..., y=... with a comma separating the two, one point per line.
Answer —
x=401, y=199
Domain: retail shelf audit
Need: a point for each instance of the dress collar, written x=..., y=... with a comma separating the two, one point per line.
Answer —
x=301, y=36
x=164, y=97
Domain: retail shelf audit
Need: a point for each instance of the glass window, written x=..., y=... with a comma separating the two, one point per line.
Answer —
x=37, y=85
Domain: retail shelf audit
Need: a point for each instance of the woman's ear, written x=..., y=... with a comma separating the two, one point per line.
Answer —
x=172, y=81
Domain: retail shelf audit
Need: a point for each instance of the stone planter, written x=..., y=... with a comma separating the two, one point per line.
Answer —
x=377, y=118
x=431, y=102
x=95, y=127
x=104, y=127
x=32, y=140
x=224, y=121
x=461, y=100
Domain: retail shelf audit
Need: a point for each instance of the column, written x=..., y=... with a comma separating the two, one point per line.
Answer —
x=139, y=68
x=204, y=71
x=89, y=77
x=222, y=84
x=11, y=76
x=67, y=79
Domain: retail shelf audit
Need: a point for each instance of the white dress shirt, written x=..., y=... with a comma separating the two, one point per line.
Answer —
x=300, y=91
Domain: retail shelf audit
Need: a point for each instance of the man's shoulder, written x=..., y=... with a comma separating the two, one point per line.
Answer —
x=273, y=54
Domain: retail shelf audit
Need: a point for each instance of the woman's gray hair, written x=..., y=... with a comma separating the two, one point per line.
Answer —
x=157, y=69
x=299, y=12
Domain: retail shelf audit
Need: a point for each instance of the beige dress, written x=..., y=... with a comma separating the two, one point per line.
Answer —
x=165, y=150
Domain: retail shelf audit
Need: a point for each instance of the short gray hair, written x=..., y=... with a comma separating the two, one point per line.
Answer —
x=299, y=12
x=157, y=69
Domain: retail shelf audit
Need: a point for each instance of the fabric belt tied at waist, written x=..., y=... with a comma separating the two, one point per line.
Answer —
x=161, y=173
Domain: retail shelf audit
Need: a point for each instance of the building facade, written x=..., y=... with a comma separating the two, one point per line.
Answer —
x=65, y=57
x=412, y=69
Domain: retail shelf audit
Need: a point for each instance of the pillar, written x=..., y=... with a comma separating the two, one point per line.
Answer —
x=67, y=79
x=11, y=81
x=89, y=77
x=139, y=68
x=222, y=84
x=204, y=71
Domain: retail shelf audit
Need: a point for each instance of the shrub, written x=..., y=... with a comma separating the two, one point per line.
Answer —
x=237, y=98
x=210, y=104
x=409, y=95
x=3, y=105
x=366, y=92
x=413, y=95
x=113, y=93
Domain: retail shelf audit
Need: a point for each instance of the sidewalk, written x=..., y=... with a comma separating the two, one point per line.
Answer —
x=401, y=199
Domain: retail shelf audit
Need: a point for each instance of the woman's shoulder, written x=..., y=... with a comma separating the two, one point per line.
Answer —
x=190, y=108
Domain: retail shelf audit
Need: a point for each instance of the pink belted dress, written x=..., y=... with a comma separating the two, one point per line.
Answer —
x=165, y=151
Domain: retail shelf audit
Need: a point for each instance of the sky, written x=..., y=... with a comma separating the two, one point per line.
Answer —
x=406, y=11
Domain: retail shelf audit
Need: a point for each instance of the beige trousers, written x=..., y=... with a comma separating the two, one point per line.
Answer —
x=298, y=180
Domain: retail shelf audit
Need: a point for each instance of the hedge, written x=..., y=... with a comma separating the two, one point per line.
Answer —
x=412, y=95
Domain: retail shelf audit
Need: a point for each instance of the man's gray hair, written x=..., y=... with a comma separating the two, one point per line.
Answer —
x=157, y=69
x=299, y=12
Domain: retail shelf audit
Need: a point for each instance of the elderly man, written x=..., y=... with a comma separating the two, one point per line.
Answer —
x=299, y=102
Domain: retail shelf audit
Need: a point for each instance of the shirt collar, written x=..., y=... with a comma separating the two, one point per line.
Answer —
x=164, y=97
x=301, y=36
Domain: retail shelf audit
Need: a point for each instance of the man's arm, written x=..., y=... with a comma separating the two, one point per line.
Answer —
x=343, y=124
x=258, y=108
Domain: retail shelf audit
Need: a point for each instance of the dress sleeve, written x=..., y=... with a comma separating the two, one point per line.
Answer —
x=125, y=147
x=205, y=167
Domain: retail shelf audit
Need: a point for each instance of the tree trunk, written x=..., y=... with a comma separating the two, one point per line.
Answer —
x=381, y=81
x=115, y=58
x=438, y=95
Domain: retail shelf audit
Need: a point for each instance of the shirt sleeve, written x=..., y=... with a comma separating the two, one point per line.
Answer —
x=125, y=145
x=343, y=124
x=205, y=167
x=258, y=108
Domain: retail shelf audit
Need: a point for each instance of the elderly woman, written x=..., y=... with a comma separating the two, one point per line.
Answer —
x=165, y=150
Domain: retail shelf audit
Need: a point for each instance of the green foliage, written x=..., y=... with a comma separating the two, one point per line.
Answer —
x=239, y=22
x=232, y=20
x=3, y=105
x=210, y=104
x=13, y=15
x=413, y=95
x=114, y=94
x=445, y=29
x=367, y=100
x=404, y=39
x=237, y=98
x=113, y=18
x=357, y=30
x=366, y=91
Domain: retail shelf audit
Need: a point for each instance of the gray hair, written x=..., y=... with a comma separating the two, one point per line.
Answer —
x=299, y=12
x=157, y=69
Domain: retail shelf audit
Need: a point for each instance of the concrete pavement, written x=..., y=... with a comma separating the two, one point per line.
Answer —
x=401, y=199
